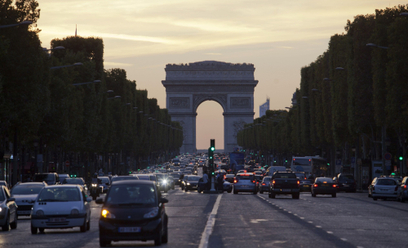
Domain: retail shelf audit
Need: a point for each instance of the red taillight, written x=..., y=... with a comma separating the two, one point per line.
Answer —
x=334, y=185
x=235, y=180
x=263, y=184
x=315, y=185
x=298, y=182
x=225, y=176
x=273, y=182
x=405, y=186
x=253, y=181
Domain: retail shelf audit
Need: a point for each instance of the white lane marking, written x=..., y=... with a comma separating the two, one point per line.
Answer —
x=329, y=232
x=344, y=239
x=319, y=226
x=205, y=236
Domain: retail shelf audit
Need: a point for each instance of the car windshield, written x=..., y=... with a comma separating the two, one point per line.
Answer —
x=266, y=179
x=73, y=181
x=386, y=182
x=138, y=194
x=193, y=178
x=324, y=180
x=28, y=189
x=59, y=194
x=2, y=198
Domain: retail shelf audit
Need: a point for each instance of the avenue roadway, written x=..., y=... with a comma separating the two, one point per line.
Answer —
x=247, y=220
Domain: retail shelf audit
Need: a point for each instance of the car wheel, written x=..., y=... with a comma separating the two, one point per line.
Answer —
x=41, y=230
x=295, y=196
x=334, y=195
x=186, y=190
x=83, y=227
x=94, y=197
x=235, y=192
x=165, y=237
x=272, y=195
x=33, y=230
x=103, y=242
x=14, y=224
x=260, y=192
x=255, y=192
x=229, y=191
x=374, y=198
x=158, y=240
x=6, y=225
x=402, y=199
x=313, y=195
x=88, y=225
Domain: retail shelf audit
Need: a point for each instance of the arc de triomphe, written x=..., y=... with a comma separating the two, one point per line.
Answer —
x=230, y=85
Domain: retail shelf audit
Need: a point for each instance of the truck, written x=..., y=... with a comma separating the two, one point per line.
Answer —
x=236, y=161
x=284, y=183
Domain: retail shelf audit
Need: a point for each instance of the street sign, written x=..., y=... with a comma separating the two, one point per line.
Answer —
x=387, y=156
x=67, y=163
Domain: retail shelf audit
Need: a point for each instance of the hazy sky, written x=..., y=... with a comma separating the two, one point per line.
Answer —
x=142, y=36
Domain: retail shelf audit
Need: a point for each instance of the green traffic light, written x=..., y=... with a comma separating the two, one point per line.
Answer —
x=212, y=148
x=401, y=158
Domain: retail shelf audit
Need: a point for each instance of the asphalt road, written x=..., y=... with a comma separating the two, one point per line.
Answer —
x=247, y=220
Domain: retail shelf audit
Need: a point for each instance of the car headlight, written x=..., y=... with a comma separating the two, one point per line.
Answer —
x=106, y=214
x=152, y=213
x=164, y=181
x=74, y=211
x=94, y=185
x=39, y=213
x=188, y=183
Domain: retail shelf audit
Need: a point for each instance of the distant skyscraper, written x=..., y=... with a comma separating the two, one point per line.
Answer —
x=263, y=108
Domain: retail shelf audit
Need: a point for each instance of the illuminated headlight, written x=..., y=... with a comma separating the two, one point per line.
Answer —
x=164, y=181
x=39, y=213
x=188, y=183
x=106, y=214
x=74, y=212
x=94, y=185
x=152, y=213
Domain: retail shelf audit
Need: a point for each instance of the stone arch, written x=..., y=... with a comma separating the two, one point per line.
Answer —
x=230, y=85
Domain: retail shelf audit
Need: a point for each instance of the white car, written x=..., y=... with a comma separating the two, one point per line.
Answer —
x=61, y=206
x=384, y=187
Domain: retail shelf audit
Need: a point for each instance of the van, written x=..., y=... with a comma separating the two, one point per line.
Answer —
x=50, y=178
x=310, y=165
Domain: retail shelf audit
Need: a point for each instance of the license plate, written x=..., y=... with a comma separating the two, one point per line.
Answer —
x=346, y=186
x=130, y=229
x=24, y=212
x=57, y=219
x=286, y=190
x=307, y=186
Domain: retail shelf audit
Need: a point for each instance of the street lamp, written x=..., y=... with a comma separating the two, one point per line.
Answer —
x=375, y=45
x=16, y=24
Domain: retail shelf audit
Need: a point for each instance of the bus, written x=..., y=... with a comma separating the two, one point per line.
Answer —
x=316, y=166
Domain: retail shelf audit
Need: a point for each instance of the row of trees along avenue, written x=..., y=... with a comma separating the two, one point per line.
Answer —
x=61, y=111
x=352, y=102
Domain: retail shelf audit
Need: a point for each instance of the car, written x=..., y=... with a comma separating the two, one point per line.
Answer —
x=163, y=182
x=120, y=178
x=370, y=187
x=51, y=178
x=304, y=183
x=191, y=183
x=264, y=185
x=62, y=177
x=105, y=183
x=230, y=178
x=8, y=210
x=25, y=194
x=384, y=188
x=4, y=183
x=176, y=177
x=284, y=183
x=149, y=177
x=133, y=210
x=345, y=182
x=171, y=181
x=76, y=180
x=59, y=207
x=402, y=193
x=245, y=182
x=324, y=186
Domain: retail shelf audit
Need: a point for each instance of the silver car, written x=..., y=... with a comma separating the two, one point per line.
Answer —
x=384, y=187
x=245, y=182
x=8, y=210
x=61, y=206
x=25, y=195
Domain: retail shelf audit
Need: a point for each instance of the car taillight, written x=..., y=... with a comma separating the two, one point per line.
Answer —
x=298, y=182
x=405, y=186
x=273, y=182
x=235, y=180
x=334, y=185
x=315, y=185
x=225, y=176
x=253, y=181
x=263, y=184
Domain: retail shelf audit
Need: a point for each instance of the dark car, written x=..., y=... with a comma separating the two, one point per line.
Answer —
x=8, y=213
x=120, y=178
x=163, y=182
x=191, y=183
x=346, y=182
x=25, y=194
x=264, y=185
x=324, y=186
x=304, y=183
x=133, y=210
x=230, y=178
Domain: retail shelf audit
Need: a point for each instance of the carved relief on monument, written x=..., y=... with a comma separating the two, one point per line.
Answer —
x=240, y=102
x=179, y=102
x=220, y=98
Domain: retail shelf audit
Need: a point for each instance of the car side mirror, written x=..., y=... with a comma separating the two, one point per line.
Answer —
x=163, y=200
x=99, y=201
x=88, y=199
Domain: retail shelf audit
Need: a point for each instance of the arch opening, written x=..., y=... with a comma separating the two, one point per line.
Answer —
x=209, y=125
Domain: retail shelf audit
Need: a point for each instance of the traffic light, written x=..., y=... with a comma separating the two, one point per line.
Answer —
x=211, y=156
x=401, y=158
